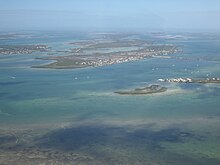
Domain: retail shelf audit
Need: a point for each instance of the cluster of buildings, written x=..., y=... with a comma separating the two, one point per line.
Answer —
x=189, y=80
x=116, y=60
x=177, y=80
x=121, y=57
x=24, y=49
x=109, y=61
x=213, y=79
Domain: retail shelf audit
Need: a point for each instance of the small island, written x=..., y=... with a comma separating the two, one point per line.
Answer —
x=144, y=91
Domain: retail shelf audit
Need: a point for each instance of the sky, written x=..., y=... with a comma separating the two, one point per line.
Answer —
x=110, y=14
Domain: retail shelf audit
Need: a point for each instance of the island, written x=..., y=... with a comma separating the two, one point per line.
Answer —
x=144, y=91
x=106, y=52
x=22, y=49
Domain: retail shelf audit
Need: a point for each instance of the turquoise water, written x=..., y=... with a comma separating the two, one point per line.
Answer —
x=178, y=126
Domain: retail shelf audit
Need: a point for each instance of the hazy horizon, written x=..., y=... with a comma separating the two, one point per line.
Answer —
x=102, y=14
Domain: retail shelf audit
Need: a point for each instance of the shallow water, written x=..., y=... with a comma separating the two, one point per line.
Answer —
x=76, y=111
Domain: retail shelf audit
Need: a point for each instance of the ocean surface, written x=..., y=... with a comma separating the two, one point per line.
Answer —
x=77, y=111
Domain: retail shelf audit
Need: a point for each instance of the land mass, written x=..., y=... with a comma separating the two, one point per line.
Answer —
x=100, y=53
x=143, y=91
x=22, y=49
